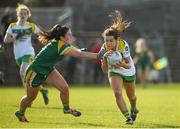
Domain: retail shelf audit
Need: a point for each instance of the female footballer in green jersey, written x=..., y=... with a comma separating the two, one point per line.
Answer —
x=122, y=73
x=59, y=42
x=143, y=59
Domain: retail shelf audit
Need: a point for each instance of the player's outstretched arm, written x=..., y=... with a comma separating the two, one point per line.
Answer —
x=82, y=54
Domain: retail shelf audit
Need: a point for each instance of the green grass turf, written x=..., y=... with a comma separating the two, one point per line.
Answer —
x=159, y=106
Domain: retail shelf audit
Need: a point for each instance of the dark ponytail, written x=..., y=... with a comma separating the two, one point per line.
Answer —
x=54, y=33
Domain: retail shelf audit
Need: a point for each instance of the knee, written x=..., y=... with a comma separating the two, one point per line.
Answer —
x=28, y=98
x=117, y=94
x=31, y=98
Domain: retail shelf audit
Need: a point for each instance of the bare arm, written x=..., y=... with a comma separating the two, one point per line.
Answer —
x=104, y=65
x=82, y=54
x=8, y=38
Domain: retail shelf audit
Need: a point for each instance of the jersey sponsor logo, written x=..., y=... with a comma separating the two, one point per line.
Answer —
x=27, y=31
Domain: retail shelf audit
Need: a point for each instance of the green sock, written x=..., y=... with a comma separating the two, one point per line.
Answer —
x=133, y=108
x=41, y=88
x=66, y=106
x=21, y=112
x=126, y=114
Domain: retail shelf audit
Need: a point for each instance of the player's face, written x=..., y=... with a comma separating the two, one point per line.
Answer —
x=110, y=42
x=22, y=15
x=68, y=38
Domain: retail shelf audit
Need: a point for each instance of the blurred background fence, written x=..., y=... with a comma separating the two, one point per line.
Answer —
x=158, y=21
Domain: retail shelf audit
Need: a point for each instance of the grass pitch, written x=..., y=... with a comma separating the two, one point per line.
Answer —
x=159, y=107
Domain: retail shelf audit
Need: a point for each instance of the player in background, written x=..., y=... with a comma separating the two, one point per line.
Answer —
x=143, y=60
x=59, y=42
x=19, y=33
x=123, y=73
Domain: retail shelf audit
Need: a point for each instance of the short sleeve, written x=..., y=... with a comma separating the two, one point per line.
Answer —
x=126, y=52
x=36, y=29
x=124, y=48
x=68, y=49
x=64, y=49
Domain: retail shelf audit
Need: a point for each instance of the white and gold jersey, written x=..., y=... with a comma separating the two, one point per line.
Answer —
x=23, y=45
x=124, y=49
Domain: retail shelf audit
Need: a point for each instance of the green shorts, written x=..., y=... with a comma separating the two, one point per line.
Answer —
x=25, y=58
x=127, y=79
x=34, y=79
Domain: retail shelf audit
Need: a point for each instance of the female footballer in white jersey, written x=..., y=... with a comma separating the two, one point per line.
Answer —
x=19, y=33
x=122, y=73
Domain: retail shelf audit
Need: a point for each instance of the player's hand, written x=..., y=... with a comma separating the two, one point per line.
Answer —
x=118, y=65
x=108, y=53
x=100, y=54
x=19, y=35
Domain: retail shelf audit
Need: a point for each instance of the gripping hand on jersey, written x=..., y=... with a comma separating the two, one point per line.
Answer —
x=101, y=54
x=19, y=35
x=108, y=53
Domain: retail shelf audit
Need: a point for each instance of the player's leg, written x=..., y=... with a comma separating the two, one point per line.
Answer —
x=25, y=101
x=23, y=63
x=116, y=85
x=44, y=93
x=26, y=60
x=57, y=80
x=31, y=94
x=130, y=91
x=140, y=76
x=22, y=71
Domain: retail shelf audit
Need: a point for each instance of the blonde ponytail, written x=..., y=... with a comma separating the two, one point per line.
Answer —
x=118, y=25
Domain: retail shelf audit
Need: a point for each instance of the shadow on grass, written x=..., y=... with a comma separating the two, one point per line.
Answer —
x=61, y=124
x=94, y=125
x=166, y=126
x=43, y=107
x=156, y=125
x=45, y=123
x=57, y=108
x=99, y=110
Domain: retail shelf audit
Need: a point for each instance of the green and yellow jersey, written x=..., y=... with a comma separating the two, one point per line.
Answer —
x=44, y=62
x=46, y=59
x=144, y=60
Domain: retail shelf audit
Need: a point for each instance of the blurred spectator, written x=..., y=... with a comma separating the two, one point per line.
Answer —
x=7, y=18
x=143, y=60
x=71, y=66
x=71, y=63
x=98, y=75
